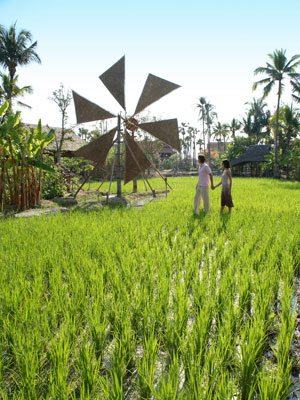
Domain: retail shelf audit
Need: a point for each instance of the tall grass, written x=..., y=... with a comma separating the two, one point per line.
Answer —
x=153, y=302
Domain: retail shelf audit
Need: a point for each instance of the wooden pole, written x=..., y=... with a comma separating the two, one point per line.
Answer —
x=142, y=172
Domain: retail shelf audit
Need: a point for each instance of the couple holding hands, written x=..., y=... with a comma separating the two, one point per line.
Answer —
x=202, y=191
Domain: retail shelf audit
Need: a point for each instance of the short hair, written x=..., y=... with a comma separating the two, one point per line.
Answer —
x=201, y=159
x=226, y=163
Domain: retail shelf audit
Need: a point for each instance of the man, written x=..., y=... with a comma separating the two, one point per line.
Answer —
x=202, y=191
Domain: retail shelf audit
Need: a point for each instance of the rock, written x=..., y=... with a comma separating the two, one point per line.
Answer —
x=117, y=201
x=92, y=206
x=65, y=201
x=40, y=211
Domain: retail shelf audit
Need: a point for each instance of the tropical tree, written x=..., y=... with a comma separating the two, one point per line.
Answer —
x=16, y=49
x=21, y=161
x=210, y=115
x=217, y=133
x=288, y=129
x=276, y=70
x=296, y=90
x=256, y=122
x=16, y=91
x=202, y=116
x=234, y=126
x=63, y=99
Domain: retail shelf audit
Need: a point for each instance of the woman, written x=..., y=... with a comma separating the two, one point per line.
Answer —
x=226, y=182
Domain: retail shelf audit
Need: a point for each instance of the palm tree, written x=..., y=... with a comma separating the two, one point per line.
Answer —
x=202, y=116
x=16, y=92
x=277, y=70
x=296, y=89
x=234, y=126
x=16, y=49
x=217, y=132
x=210, y=114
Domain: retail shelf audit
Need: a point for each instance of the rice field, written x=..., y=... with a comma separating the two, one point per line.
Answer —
x=153, y=303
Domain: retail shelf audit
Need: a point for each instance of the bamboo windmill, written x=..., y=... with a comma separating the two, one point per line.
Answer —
x=135, y=160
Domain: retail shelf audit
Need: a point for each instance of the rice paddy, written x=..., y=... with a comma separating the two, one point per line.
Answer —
x=153, y=303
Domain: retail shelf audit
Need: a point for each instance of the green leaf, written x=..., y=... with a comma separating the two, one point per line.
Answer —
x=3, y=108
x=39, y=164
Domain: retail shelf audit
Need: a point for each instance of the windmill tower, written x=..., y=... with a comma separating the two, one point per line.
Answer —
x=136, y=161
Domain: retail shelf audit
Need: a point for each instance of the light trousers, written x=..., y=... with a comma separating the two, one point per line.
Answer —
x=202, y=192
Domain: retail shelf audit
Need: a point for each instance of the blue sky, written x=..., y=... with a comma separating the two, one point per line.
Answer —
x=210, y=48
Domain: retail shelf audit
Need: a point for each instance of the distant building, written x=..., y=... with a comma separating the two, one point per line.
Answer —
x=252, y=162
x=166, y=152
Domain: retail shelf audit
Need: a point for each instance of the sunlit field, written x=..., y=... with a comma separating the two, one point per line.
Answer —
x=153, y=303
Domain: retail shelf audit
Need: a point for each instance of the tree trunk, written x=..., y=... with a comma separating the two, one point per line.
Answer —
x=23, y=205
x=16, y=193
x=58, y=154
x=276, y=172
x=203, y=131
x=2, y=179
x=208, y=140
x=12, y=71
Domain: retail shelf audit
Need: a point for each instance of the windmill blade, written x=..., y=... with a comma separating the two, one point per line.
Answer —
x=87, y=111
x=154, y=89
x=98, y=149
x=114, y=80
x=136, y=162
x=166, y=130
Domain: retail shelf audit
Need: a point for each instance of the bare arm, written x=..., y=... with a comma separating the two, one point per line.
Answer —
x=211, y=180
x=228, y=173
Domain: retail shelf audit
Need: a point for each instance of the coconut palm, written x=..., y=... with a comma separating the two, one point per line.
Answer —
x=16, y=49
x=296, y=90
x=276, y=70
x=256, y=123
x=210, y=115
x=217, y=133
x=202, y=116
x=16, y=92
x=234, y=126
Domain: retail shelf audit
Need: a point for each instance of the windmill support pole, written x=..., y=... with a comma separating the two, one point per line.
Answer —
x=142, y=172
x=106, y=176
x=86, y=178
x=162, y=177
x=119, y=177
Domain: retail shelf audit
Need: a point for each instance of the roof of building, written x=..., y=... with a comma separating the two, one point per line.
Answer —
x=71, y=142
x=254, y=153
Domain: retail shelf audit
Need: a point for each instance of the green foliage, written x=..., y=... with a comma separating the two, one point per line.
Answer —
x=153, y=303
x=237, y=147
x=53, y=184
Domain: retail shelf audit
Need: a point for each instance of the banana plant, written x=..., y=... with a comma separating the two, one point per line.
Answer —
x=22, y=161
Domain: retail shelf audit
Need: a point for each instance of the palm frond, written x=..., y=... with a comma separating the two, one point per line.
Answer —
x=268, y=88
x=261, y=82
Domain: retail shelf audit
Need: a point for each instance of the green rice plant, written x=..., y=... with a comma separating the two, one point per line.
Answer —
x=177, y=321
x=271, y=385
x=146, y=367
x=87, y=366
x=59, y=357
x=153, y=302
x=168, y=387
x=251, y=344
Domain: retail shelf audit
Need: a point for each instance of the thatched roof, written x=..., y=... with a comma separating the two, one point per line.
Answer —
x=254, y=153
x=72, y=141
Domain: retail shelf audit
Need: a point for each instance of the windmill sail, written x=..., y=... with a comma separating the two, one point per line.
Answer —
x=86, y=111
x=166, y=130
x=114, y=80
x=98, y=149
x=154, y=89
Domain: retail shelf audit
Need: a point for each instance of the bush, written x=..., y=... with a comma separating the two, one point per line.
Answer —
x=53, y=185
